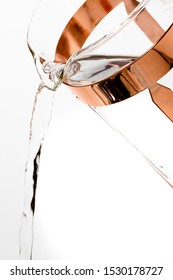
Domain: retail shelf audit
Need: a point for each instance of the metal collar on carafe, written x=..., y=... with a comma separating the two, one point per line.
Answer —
x=143, y=73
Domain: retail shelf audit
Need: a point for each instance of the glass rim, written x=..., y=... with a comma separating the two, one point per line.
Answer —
x=70, y=46
x=118, y=28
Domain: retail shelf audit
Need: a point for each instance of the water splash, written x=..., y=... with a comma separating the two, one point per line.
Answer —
x=51, y=73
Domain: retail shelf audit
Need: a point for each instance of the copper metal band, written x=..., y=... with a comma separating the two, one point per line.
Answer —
x=141, y=74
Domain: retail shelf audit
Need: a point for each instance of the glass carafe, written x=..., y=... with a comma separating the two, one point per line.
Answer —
x=116, y=56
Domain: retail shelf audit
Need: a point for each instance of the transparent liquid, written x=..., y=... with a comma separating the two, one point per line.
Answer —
x=41, y=115
x=82, y=72
x=91, y=69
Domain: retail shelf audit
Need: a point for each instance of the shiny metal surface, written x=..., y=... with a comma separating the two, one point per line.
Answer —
x=144, y=73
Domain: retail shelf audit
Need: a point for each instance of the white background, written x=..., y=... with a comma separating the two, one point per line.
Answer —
x=96, y=197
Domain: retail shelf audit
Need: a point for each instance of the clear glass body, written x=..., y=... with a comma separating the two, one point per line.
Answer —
x=126, y=42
